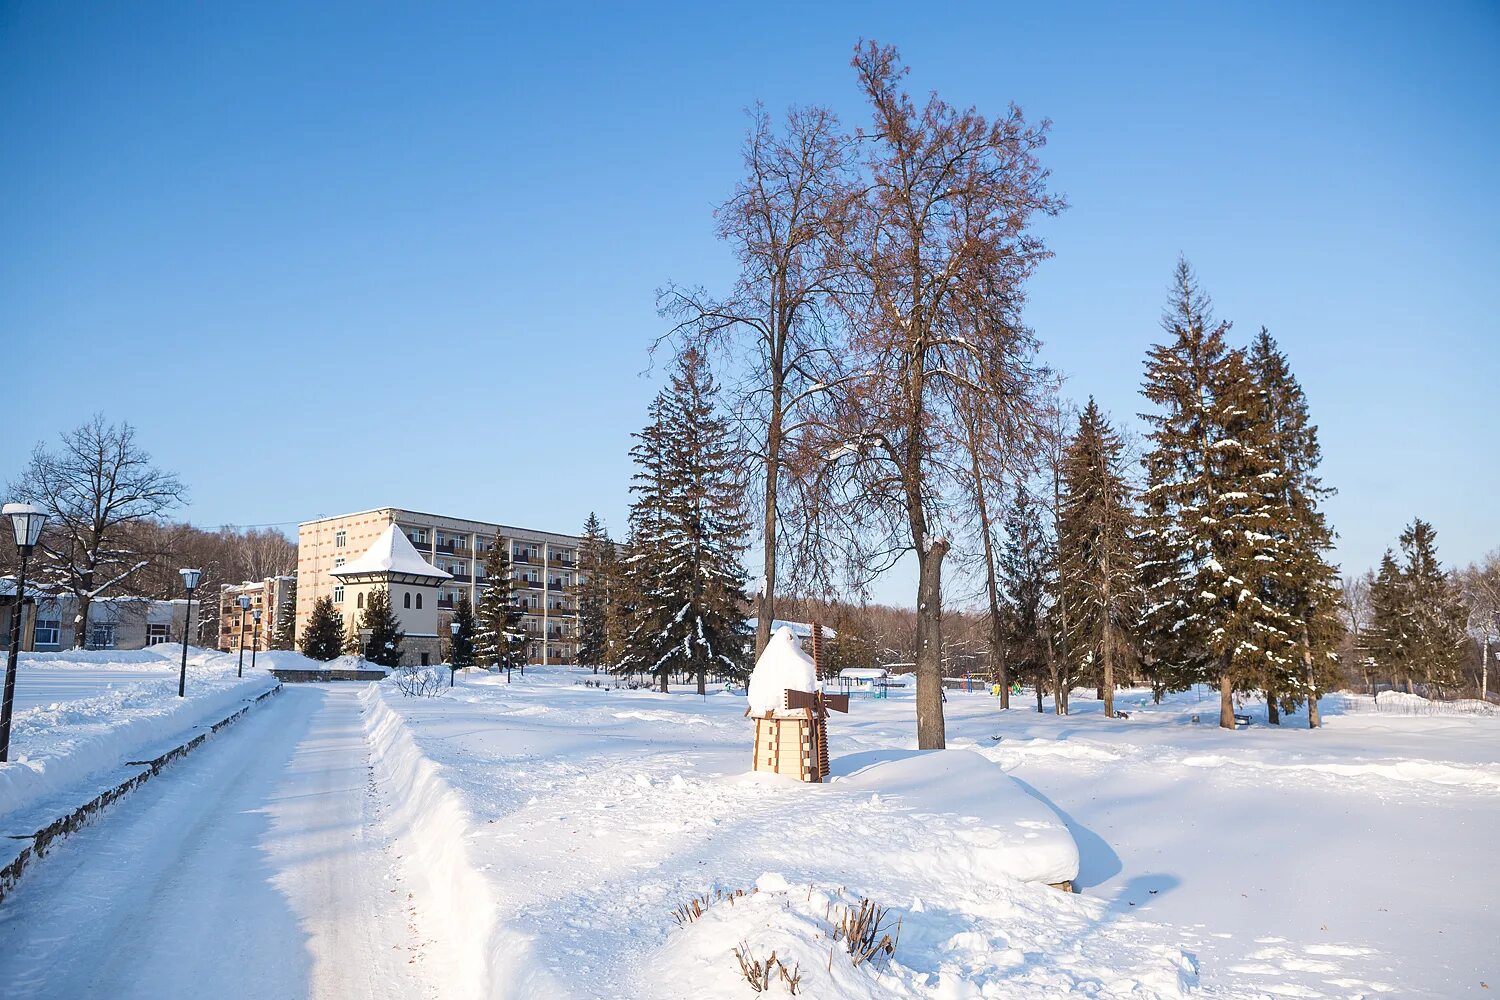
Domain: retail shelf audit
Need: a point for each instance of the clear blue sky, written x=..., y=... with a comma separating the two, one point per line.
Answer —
x=335, y=256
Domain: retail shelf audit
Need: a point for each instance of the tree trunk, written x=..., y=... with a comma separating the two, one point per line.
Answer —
x=1273, y=710
x=930, y=730
x=997, y=655
x=765, y=611
x=1039, y=695
x=1484, y=674
x=1226, y=695
x=702, y=678
x=1314, y=717
x=1107, y=652
x=664, y=688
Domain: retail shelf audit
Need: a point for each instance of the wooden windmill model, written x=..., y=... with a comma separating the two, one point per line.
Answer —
x=790, y=709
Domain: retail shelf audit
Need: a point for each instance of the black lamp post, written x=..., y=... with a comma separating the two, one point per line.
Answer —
x=244, y=603
x=26, y=521
x=190, y=578
x=452, y=667
x=255, y=642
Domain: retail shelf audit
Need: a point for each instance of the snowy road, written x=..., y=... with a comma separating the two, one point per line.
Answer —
x=254, y=868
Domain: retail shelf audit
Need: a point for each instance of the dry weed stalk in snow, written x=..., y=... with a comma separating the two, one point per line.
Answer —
x=758, y=973
x=694, y=908
x=418, y=682
x=861, y=929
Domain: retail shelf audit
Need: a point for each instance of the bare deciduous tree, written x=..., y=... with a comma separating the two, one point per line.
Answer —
x=776, y=222
x=95, y=488
x=941, y=222
x=1480, y=584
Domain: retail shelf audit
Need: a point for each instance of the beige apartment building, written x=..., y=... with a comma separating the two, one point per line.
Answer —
x=544, y=566
x=271, y=595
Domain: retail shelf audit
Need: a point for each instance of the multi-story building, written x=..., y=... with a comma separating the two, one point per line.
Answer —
x=271, y=595
x=544, y=568
x=51, y=620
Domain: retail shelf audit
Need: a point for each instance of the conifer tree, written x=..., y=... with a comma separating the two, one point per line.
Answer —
x=1209, y=510
x=1433, y=612
x=1097, y=564
x=593, y=594
x=461, y=653
x=384, y=646
x=1303, y=584
x=688, y=526
x=500, y=634
x=285, y=634
x=1025, y=576
x=1385, y=640
x=323, y=635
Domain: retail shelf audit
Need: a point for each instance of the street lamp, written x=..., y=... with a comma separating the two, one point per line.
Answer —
x=244, y=603
x=255, y=642
x=26, y=522
x=364, y=644
x=190, y=578
x=452, y=666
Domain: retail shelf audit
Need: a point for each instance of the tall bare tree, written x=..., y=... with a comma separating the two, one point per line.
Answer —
x=96, y=487
x=776, y=222
x=940, y=221
x=1480, y=585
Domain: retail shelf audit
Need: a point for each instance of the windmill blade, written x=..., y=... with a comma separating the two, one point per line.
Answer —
x=837, y=702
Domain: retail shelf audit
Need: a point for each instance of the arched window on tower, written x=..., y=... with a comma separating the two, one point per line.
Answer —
x=407, y=602
x=359, y=600
x=419, y=602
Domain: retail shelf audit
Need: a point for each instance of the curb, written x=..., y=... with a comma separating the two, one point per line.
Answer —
x=60, y=828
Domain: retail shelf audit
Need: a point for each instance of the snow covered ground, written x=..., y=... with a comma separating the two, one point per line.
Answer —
x=1346, y=862
x=257, y=867
x=533, y=840
x=80, y=716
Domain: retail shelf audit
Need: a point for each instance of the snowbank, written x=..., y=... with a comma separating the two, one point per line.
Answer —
x=457, y=905
x=782, y=666
x=55, y=745
x=1001, y=830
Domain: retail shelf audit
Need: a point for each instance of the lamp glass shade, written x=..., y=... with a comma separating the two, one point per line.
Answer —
x=190, y=578
x=26, y=521
x=365, y=633
x=255, y=616
x=244, y=602
x=454, y=627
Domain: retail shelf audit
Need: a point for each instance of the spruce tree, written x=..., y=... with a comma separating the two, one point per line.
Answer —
x=1435, y=637
x=593, y=595
x=384, y=646
x=461, y=652
x=688, y=526
x=1209, y=511
x=323, y=635
x=1385, y=640
x=1024, y=570
x=500, y=637
x=1097, y=563
x=1304, y=585
x=284, y=635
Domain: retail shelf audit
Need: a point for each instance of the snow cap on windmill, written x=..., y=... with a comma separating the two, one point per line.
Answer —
x=782, y=666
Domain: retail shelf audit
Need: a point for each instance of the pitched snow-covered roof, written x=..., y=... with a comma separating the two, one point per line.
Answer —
x=391, y=553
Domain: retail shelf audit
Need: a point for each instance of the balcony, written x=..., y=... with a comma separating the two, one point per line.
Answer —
x=419, y=546
x=523, y=582
x=453, y=548
x=521, y=557
x=445, y=604
x=567, y=563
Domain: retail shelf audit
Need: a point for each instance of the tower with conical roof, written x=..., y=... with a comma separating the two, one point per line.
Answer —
x=393, y=562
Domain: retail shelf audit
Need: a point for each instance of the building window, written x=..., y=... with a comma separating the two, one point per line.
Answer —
x=340, y=539
x=359, y=600
x=156, y=633
x=424, y=659
x=47, y=632
x=419, y=602
x=338, y=594
x=338, y=562
x=102, y=636
x=406, y=601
